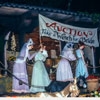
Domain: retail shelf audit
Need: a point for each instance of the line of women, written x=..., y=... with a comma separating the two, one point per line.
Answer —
x=64, y=72
x=39, y=74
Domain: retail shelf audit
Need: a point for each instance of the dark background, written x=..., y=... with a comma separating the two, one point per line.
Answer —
x=15, y=22
x=91, y=6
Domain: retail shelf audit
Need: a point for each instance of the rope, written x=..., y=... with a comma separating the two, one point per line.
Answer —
x=74, y=68
x=93, y=67
x=90, y=67
x=20, y=81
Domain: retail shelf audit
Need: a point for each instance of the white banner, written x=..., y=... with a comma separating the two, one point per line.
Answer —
x=68, y=33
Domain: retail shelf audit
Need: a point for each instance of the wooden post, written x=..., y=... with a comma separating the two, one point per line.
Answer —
x=94, y=70
x=5, y=55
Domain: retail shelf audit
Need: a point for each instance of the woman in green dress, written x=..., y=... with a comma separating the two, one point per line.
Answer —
x=39, y=75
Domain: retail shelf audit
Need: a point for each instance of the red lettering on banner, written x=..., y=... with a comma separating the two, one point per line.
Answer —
x=79, y=33
x=59, y=28
x=69, y=30
x=51, y=25
x=64, y=29
x=86, y=34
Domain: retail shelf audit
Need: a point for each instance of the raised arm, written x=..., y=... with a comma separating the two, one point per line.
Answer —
x=30, y=57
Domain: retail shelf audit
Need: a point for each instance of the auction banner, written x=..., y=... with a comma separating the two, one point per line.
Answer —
x=67, y=33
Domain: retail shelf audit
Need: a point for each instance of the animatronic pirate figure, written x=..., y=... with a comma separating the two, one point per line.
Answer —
x=64, y=72
x=19, y=68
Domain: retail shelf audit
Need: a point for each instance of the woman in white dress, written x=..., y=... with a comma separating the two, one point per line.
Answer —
x=39, y=75
x=64, y=72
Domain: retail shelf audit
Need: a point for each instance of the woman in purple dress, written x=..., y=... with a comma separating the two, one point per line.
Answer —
x=64, y=72
x=19, y=68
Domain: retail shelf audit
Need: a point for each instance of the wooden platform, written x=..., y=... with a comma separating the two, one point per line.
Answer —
x=6, y=90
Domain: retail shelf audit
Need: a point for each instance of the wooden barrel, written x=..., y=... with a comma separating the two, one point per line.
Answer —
x=48, y=62
x=92, y=84
x=29, y=70
x=57, y=61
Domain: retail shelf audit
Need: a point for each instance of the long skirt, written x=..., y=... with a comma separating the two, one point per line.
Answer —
x=19, y=70
x=81, y=69
x=64, y=72
x=40, y=77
